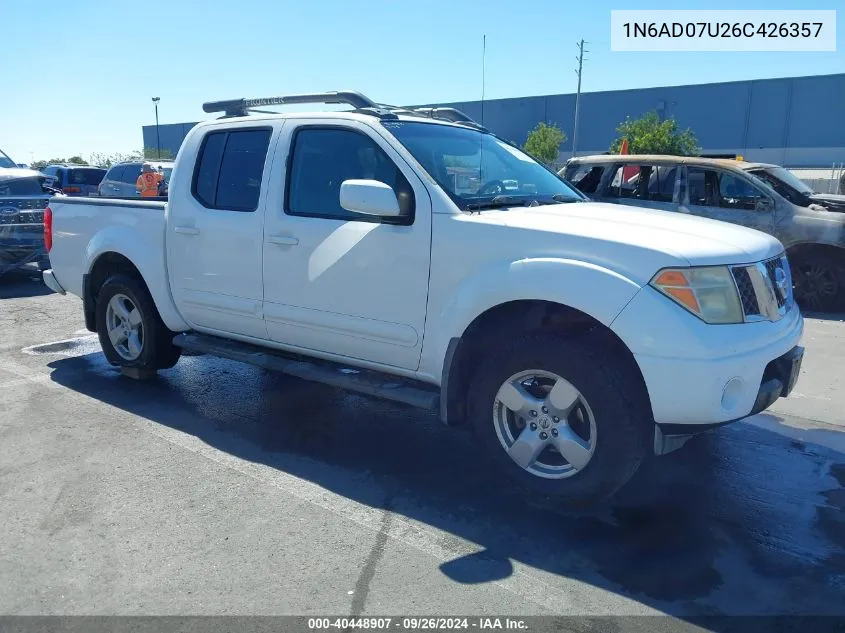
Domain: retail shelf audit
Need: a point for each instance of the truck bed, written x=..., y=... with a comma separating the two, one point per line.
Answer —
x=84, y=229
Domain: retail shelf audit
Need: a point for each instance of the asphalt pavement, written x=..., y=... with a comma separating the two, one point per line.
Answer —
x=219, y=488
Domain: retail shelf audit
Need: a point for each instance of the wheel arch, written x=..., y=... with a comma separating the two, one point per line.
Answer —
x=110, y=262
x=519, y=317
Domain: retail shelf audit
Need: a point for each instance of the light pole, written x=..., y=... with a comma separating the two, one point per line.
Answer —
x=158, y=138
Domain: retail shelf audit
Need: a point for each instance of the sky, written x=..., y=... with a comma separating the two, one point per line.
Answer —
x=79, y=76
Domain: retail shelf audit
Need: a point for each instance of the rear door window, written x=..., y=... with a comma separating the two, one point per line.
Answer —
x=83, y=176
x=644, y=182
x=230, y=168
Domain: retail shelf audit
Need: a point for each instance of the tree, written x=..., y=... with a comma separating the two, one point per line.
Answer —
x=76, y=160
x=543, y=143
x=151, y=153
x=650, y=135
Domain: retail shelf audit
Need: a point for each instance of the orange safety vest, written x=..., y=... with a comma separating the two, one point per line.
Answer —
x=147, y=183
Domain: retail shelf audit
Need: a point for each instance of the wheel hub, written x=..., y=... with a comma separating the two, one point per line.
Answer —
x=544, y=424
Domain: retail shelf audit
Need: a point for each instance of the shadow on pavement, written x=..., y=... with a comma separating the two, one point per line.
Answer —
x=22, y=282
x=740, y=521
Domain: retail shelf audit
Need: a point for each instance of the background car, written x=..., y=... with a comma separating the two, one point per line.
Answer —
x=24, y=195
x=729, y=191
x=5, y=161
x=74, y=180
x=121, y=179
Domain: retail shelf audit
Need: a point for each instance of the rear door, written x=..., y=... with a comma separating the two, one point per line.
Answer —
x=215, y=231
x=727, y=196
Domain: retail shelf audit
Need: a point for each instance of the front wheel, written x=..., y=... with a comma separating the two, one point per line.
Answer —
x=561, y=417
x=130, y=329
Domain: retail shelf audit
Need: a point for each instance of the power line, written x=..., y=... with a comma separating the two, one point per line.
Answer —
x=580, y=60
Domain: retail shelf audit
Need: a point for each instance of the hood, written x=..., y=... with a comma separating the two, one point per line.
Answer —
x=14, y=173
x=831, y=201
x=635, y=240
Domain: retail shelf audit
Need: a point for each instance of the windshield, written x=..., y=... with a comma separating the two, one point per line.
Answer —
x=778, y=176
x=477, y=169
x=5, y=161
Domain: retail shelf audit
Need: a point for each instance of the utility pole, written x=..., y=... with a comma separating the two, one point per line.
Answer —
x=578, y=97
x=158, y=138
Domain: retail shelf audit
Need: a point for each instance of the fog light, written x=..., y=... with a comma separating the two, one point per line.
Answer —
x=732, y=393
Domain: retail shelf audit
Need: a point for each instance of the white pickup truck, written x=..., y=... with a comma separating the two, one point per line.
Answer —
x=379, y=249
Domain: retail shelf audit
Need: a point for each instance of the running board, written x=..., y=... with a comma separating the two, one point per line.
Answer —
x=364, y=381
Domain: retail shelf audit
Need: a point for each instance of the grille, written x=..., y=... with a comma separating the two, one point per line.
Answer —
x=24, y=204
x=772, y=266
x=746, y=291
x=31, y=217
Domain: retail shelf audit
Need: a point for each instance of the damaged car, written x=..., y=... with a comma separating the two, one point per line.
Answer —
x=729, y=191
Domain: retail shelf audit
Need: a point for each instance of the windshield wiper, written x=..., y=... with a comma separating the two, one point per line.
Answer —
x=562, y=197
x=498, y=201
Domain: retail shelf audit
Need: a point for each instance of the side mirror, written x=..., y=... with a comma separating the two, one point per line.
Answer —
x=370, y=197
x=764, y=204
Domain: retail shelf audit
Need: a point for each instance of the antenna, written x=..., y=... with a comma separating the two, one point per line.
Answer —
x=483, y=73
x=481, y=136
x=580, y=59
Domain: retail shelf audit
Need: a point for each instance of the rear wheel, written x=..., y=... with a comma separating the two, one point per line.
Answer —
x=819, y=280
x=561, y=417
x=130, y=329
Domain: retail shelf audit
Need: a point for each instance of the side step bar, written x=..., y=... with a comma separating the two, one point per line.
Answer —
x=364, y=381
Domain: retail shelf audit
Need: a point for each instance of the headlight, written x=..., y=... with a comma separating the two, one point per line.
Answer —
x=708, y=292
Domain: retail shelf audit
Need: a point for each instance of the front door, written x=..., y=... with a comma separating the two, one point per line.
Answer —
x=338, y=282
x=727, y=196
x=215, y=232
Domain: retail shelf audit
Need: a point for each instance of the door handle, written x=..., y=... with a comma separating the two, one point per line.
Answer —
x=283, y=240
x=186, y=230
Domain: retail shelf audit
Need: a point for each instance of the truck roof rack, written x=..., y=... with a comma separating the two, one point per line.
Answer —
x=360, y=103
x=242, y=107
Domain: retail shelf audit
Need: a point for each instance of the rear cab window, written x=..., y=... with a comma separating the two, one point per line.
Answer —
x=230, y=167
x=84, y=176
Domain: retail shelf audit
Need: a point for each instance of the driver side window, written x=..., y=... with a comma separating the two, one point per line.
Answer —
x=322, y=158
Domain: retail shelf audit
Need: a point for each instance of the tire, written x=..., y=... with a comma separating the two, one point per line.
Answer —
x=153, y=348
x=612, y=414
x=819, y=282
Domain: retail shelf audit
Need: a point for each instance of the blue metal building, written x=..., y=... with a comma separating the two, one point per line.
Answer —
x=794, y=121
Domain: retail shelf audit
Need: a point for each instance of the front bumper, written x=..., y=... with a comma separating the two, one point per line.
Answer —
x=699, y=375
x=779, y=378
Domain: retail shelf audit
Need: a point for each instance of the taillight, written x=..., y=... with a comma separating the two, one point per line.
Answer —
x=48, y=228
x=71, y=189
